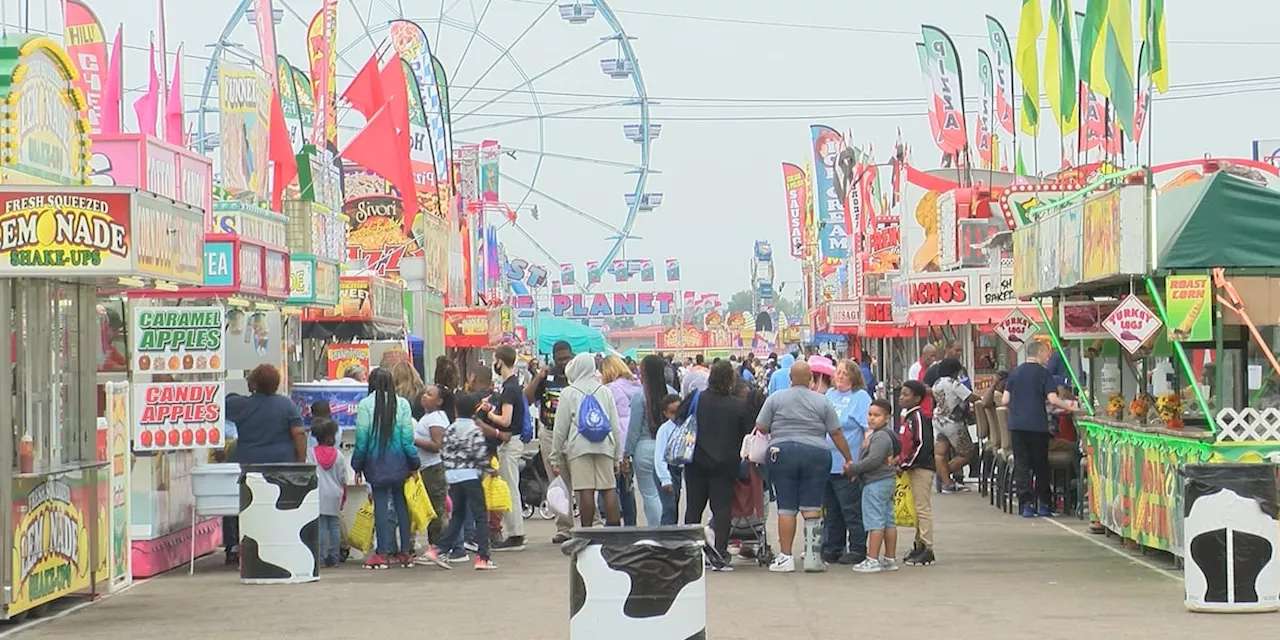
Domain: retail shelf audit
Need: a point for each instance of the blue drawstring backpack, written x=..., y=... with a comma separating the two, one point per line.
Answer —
x=593, y=422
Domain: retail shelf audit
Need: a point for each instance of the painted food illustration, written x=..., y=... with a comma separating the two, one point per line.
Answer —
x=1183, y=330
x=926, y=257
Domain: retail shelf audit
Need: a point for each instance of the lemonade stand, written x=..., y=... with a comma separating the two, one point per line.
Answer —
x=1167, y=304
x=65, y=525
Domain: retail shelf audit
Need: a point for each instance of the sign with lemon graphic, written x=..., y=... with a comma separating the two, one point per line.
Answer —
x=68, y=232
x=53, y=554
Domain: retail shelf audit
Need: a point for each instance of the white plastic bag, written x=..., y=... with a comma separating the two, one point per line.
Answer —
x=755, y=447
x=558, y=498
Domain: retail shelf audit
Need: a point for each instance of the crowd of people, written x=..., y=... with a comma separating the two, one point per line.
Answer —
x=835, y=449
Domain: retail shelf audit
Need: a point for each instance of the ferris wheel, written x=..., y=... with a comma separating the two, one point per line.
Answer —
x=555, y=82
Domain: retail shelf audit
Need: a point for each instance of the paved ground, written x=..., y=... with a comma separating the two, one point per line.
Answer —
x=1000, y=577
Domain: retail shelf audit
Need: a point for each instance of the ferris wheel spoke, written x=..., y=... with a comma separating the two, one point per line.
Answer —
x=364, y=24
x=533, y=241
x=562, y=203
x=529, y=81
x=470, y=40
x=506, y=51
x=553, y=114
x=570, y=157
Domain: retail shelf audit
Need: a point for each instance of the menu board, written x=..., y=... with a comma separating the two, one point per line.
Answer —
x=178, y=340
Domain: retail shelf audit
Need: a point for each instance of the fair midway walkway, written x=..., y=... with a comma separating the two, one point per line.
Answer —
x=999, y=577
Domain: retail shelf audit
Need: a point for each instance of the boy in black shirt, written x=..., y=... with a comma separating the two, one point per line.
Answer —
x=915, y=433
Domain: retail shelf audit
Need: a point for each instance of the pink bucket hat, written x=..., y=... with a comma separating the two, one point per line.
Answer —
x=820, y=364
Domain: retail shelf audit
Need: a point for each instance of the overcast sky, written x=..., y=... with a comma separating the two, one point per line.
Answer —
x=735, y=84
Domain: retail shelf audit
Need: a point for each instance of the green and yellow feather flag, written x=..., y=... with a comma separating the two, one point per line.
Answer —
x=1121, y=87
x=1092, y=51
x=1154, y=36
x=1060, y=85
x=1027, y=63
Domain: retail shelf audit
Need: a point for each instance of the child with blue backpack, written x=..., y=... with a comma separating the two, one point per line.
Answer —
x=588, y=440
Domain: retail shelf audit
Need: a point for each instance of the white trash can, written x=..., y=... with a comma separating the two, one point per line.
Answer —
x=637, y=583
x=1231, y=538
x=279, y=524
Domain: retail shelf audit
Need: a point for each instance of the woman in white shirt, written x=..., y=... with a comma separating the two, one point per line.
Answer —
x=427, y=436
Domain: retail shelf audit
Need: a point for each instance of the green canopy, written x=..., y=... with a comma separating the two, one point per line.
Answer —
x=1220, y=221
x=579, y=336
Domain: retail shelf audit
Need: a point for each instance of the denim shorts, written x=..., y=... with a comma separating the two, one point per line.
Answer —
x=877, y=504
x=799, y=474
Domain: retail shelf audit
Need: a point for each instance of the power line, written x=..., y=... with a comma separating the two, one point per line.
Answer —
x=844, y=29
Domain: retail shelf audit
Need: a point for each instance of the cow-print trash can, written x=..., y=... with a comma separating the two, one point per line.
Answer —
x=1230, y=534
x=279, y=524
x=637, y=583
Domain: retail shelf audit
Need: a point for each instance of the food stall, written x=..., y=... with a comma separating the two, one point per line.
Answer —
x=370, y=307
x=1162, y=300
x=316, y=236
x=67, y=482
x=955, y=284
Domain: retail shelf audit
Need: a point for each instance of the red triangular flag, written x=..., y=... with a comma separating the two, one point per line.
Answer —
x=365, y=92
x=173, y=105
x=112, y=93
x=145, y=108
x=396, y=87
x=369, y=150
x=280, y=151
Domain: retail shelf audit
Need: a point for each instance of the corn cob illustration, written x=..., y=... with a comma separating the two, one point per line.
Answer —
x=1183, y=330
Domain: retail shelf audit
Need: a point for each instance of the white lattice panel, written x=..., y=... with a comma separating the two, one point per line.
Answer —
x=1249, y=425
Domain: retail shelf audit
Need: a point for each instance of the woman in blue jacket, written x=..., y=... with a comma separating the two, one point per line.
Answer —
x=386, y=456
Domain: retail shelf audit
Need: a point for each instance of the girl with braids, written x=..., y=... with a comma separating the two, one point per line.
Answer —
x=646, y=416
x=386, y=456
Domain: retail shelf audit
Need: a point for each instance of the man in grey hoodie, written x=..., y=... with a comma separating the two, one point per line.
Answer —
x=592, y=466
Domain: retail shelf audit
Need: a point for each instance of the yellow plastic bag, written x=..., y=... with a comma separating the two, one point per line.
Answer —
x=421, y=513
x=904, y=502
x=497, y=496
x=360, y=535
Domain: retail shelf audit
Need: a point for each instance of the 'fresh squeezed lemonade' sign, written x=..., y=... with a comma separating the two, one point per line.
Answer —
x=178, y=340
x=51, y=550
x=72, y=233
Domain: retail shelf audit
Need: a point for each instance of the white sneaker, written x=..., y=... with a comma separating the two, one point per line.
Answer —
x=888, y=564
x=870, y=565
x=783, y=563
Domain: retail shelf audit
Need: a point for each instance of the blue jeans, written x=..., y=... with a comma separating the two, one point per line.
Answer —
x=468, y=504
x=626, y=499
x=799, y=473
x=877, y=504
x=842, y=517
x=330, y=540
x=647, y=481
x=671, y=501
x=389, y=514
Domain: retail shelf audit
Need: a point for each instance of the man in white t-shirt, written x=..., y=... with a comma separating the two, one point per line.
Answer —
x=927, y=356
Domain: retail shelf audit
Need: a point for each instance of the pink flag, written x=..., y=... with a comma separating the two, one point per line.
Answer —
x=173, y=106
x=112, y=93
x=147, y=106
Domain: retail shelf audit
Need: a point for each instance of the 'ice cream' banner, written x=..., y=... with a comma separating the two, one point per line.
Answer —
x=833, y=238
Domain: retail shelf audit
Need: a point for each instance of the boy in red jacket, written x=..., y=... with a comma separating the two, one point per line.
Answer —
x=915, y=433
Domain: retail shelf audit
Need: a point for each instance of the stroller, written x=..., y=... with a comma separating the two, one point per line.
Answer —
x=747, y=532
x=534, y=481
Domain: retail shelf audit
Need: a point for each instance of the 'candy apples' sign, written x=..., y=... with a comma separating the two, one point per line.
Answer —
x=1132, y=324
x=1016, y=329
